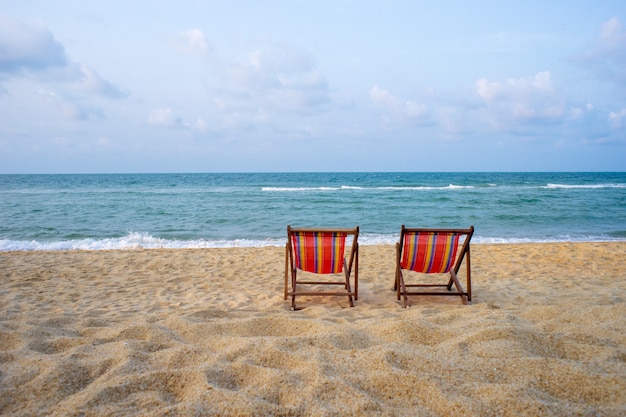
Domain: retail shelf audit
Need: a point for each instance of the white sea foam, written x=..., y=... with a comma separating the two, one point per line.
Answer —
x=460, y=187
x=133, y=240
x=590, y=186
x=136, y=240
x=299, y=189
x=351, y=187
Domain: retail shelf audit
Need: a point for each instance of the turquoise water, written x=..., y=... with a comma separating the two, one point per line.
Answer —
x=54, y=212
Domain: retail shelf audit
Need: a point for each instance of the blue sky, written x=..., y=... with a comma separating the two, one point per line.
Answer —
x=317, y=85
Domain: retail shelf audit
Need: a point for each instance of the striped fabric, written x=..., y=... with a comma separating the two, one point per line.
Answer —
x=319, y=252
x=430, y=253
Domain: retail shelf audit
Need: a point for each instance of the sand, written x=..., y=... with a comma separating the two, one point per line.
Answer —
x=207, y=332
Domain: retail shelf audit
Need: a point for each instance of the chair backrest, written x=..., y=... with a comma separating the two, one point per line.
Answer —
x=321, y=251
x=432, y=251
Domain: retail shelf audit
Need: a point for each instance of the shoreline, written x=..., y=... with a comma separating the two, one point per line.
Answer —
x=91, y=245
x=206, y=331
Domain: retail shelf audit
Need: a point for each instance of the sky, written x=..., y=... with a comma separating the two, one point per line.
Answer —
x=312, y=85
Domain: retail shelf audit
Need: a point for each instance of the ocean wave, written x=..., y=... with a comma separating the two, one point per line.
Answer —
x=439, y=188
x=135, y=240
x=379, y=188
x=299, y=189
x=590, y=186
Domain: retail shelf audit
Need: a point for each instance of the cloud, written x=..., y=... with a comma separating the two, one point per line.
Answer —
x=398, y=111
x=279, y=76
x=200, y=125
x=618, y=118
x=267, y=85
x=163, y=117
x=191, y=42
x=531, y=107
x=516, y=101
x=454, y=121
x=382, y=97
x=32, y=51
x=71, y=109
x=25, y=47
x=92, y=82
x=606, y=57
x=414, y=110
x=271, y=66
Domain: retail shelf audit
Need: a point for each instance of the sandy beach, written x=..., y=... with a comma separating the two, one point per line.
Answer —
x=197, y=332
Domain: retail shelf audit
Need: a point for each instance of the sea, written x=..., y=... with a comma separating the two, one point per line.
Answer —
x=216, y=210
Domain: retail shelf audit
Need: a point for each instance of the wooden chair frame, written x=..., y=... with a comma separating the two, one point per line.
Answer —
x=348, y=267
x=403, y=288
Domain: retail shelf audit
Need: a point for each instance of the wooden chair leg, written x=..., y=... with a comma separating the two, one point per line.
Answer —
x=356, y=276
x=469, y=276
x=349, y=290
x=395, y=281
x=402, y=289
x=396, y=286
x=457, y=284
x=293, y=289
x=450, y=281
x=286, y=270
x=347, y=284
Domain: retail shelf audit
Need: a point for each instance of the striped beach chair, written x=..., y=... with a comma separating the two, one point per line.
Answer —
x=433, y=251
x=319, y=252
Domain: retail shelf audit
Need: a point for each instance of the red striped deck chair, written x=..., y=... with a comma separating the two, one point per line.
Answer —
x=314, y=252
x=433, y=251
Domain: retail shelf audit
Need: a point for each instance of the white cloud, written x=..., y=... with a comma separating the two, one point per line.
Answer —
x=71, y=109
x=522, y=100
x=300, y=93
x=381, y=96
x=412, y=109
x=92, y=82
x=274, y=66
x=31, y=52
x=581, y=112
x=397, y=110
x=163, y=117
x=450, y=120
x=488, y=90
x=200, y=125
x=612, y=34
x=166, y=117
x=28, y=47
x=576, y=113
x=103, y=141
x=191, y=42
x=618, y=118
x=267, y=79
x=607, y=55
x=540, y=84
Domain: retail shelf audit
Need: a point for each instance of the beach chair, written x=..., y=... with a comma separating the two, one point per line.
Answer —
x=311, y=253
x=432, y=251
